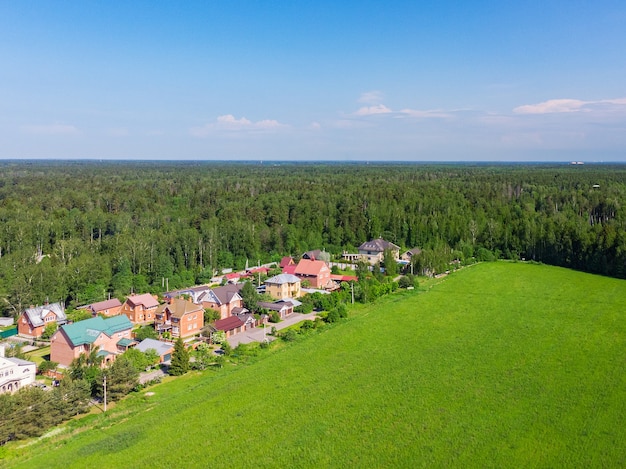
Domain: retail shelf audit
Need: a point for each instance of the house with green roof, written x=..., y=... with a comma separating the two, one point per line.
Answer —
x=109, y=337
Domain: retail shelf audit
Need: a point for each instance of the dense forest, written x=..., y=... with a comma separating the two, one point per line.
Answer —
x=79, y=231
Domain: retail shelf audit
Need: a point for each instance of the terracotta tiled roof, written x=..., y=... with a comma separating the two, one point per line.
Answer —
x=306, y=267
x=179, y=307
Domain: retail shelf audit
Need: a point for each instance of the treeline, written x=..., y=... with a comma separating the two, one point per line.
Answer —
x=81, y=231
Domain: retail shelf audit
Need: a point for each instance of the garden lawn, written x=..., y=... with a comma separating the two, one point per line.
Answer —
x=498, y=365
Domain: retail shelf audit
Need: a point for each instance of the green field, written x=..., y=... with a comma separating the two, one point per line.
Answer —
x=497, y=365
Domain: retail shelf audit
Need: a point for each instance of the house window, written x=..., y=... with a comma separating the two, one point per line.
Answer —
x=189, y=327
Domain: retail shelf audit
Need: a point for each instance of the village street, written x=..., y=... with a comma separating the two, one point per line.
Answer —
x=256, y=334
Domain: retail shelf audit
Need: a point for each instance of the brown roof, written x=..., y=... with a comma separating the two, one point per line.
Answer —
x=179, y=307
x=226, y=293
x=228, y=324
x=306, y=267
x=102, y=305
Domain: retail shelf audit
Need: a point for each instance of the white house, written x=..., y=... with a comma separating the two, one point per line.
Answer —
x=15, y=373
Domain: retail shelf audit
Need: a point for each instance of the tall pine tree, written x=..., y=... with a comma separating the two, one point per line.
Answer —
x=180, y=359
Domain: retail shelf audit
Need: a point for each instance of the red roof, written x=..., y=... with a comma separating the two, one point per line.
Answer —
x=306, y=267
x=233, y=275
x=256, y=270
x=290, y=269
x=285, y=261
x=228, y=324
x=146, y=299
x=344, y=278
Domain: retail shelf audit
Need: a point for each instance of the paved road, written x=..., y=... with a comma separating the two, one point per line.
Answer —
x=149, y=376
x=256, y=334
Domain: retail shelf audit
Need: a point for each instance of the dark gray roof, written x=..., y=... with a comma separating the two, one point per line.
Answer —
x=226, y=293
x=377, y=245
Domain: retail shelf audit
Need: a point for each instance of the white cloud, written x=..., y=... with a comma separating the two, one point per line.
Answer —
x=424, y=114
x=230, y=123
x=371, y=97
x=373, y=110
x=554, y=106
x=382, y=109
x=315, y=126
x=50, y=129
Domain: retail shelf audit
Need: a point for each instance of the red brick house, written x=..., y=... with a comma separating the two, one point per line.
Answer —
x=181, y=317
x=33, y=321
x=224, y=300
x=106, y=308
x=140, y=309
x=316, y=273
x=109, y=337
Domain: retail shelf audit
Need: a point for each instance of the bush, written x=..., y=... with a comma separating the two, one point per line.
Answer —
x=332, y=316
x=304, y=308
x=407, y=281
x=46, y=365
x=289, y=335
x=274, y=317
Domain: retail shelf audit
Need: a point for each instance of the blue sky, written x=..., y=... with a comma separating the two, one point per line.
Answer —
x=304, y=80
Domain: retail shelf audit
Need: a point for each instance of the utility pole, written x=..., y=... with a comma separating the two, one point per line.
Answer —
x=105, y=392
x=352, y=285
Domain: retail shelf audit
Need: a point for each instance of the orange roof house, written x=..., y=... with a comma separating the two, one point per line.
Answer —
x=316, y=273
x=140, y=309
x=182, y=317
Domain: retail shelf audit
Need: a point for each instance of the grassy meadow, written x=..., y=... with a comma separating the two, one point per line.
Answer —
x=497, y=365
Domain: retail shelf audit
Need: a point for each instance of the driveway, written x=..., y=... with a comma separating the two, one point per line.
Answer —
x=257, y=335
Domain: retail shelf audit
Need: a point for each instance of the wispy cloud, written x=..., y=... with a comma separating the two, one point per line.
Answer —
x=554, y=106
x=230, y=123
x=415, y=113
x=424, y=114
x=50, y=129
x=371, y=97
x=373, y=110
